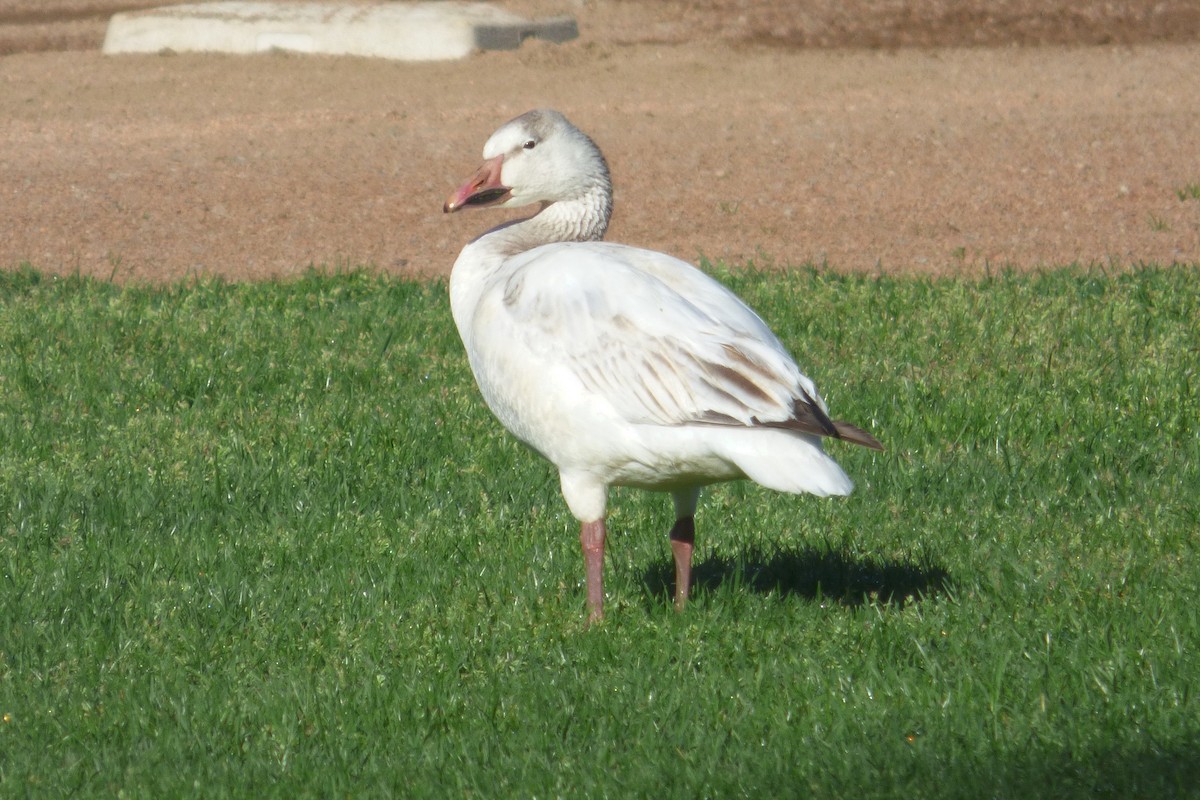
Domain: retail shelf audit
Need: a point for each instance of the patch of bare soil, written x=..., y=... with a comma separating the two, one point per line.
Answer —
x=864, y=135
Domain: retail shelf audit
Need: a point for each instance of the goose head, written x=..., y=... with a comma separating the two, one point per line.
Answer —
x=539, y=157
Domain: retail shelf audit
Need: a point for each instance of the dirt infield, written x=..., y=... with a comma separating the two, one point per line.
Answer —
x=734, y=129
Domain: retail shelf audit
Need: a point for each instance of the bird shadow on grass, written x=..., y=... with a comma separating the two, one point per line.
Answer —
x=825, y=576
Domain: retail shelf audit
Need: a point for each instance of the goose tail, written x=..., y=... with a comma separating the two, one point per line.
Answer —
x=784, y=461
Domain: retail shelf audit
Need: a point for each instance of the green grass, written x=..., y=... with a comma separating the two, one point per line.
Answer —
x=265, y=541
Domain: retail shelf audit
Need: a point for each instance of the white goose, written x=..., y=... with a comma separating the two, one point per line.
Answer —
x=623, y=366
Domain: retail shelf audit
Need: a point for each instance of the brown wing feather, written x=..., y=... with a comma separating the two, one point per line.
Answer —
x=808, y=417
x=852, y=433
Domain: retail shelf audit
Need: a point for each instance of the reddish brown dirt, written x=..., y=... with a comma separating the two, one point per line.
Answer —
x=864, y=135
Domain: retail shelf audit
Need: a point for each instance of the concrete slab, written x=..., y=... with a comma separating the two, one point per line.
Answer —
x=422, y=31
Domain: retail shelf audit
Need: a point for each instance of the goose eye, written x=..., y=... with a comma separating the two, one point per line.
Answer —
x=530, y=144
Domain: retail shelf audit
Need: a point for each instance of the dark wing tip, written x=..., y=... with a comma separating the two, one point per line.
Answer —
x=852, y=433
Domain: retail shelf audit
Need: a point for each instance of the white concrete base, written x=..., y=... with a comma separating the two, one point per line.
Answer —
x=405, y=31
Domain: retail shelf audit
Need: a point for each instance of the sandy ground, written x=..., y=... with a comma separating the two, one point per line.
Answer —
x=734, y=130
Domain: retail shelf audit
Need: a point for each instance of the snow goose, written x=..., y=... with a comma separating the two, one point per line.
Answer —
x=623, y=366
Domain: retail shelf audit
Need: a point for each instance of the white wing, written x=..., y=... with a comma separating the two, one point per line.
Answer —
x=657, y=339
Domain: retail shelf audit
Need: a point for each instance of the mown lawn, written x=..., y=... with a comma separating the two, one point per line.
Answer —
x=266, y=541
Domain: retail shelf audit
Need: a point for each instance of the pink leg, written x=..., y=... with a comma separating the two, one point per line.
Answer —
x=683, y=538
x=591, y=537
